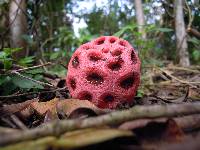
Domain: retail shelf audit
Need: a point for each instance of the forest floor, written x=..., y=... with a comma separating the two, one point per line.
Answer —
x=165, y=114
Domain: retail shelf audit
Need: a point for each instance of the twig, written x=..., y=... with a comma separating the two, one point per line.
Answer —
x=34, y=67
x=8, y=122
x=191, y=17
x=31, y=93
x=33, y=80
x=183, y=68
x=20, y=124
x=177, y=79
x=42, y=63
x=57, y=128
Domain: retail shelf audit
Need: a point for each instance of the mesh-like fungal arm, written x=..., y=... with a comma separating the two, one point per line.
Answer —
x=105, y=71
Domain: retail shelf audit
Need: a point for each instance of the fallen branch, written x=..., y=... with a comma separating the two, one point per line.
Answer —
x=190, y=122
x=57, y=128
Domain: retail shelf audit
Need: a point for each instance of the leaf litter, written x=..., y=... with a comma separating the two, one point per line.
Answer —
x=165, y=86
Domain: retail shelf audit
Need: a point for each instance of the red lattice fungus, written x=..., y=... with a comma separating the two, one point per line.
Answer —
x=105, y=71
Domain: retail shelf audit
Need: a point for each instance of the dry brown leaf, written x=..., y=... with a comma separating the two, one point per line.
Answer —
x=42, y=107
x=194, y=94
x=173, y=133
x=14, y=108
x=155, y=134
x=69, y=106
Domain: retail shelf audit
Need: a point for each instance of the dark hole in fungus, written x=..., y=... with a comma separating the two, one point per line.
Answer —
x=100, y=41
x=94, y=78
x=116, y=52
x=105, y=50
x=73, y=84
x=75, y=62
x=115, y=66
x=94, y=57
x=108, y=98
x=122, y=43
x=127, y=82
x=133, y=57
x=86, y=47
x=112, y=40
x=85, y=96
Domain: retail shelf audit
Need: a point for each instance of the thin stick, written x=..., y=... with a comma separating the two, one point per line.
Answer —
x=177, y=79
x=34, y=67
x=183, y=68
x=31, y=93
x=43, y=66
x=190, y=16
x=57, y=128
x=33, y=80
x=18, y=122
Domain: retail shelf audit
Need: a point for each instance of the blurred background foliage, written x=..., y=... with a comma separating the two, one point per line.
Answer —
x=56, y=28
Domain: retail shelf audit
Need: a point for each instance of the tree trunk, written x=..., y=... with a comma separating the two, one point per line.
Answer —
x=140, y=17
x=18, y=26
x=181, y=35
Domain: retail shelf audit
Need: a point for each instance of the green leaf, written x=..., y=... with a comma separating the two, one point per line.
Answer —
x=26, y=61
x=125, y=29
x=140, y=93
x=54, y=55
x=4, y=79
x=196, y=55
x=9, y=51
x=164, y=29
x=3, y=55
x=35, y=71
x=194, y=40
x=27, y=38
x=25, y=83
x=7, y=64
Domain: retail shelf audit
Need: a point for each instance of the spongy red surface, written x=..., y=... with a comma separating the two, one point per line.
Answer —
x=105, y=71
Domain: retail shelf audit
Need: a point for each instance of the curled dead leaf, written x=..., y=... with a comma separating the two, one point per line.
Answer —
x=73, y=108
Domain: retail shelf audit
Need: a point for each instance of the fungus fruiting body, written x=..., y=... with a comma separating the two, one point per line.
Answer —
x=105, y=71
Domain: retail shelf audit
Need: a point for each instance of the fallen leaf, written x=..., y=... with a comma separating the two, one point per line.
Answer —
x=154, y=134
x=194, y=94
x=172, y=132
x=42, y=107
x=50, y=110
x=14, y=108
x=70, y=106
x=49, y=116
